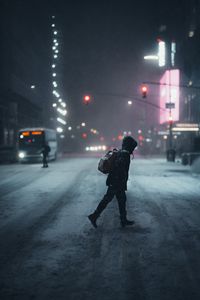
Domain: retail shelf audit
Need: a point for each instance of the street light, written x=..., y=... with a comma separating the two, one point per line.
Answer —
x=61, y=121
x=59, y=129
x=151, y=57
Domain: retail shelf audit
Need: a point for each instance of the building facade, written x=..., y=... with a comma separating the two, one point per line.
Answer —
x=25, y=68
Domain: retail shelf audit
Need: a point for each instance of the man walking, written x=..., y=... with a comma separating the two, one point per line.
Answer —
x=45, y=152
x=117, y=183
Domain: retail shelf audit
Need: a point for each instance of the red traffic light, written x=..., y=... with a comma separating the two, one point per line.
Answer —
x=144, y=88
x=84, y=135
x=87, y=99
x=120, y=137
x=144, y=91
x=140, y=138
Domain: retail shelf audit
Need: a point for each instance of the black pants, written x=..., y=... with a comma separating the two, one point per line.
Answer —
x=121, y=198
x=44, y=160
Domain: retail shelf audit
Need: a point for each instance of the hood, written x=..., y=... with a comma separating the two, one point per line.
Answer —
x=129, y=144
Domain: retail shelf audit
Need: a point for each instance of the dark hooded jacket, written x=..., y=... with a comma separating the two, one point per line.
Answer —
x=118, y=176
x=45, y=150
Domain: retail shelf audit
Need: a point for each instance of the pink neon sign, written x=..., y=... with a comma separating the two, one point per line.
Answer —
x=169, y=93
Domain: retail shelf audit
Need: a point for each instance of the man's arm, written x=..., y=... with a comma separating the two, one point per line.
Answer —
x=127, y=165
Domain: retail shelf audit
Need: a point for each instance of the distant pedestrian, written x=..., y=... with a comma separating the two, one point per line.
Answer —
x=45, y=152
x=117, y=183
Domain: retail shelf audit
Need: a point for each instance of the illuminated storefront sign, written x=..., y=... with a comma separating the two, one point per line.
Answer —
x=169, y=95
x=173, y=52
x=186, y=127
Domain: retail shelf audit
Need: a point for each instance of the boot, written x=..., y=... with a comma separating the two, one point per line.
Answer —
x=93, y=219
x=127, y=223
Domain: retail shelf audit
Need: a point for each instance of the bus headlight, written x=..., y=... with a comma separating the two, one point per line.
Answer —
x=21, y=154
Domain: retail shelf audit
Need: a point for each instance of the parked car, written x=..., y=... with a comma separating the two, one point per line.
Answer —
x=8, y=154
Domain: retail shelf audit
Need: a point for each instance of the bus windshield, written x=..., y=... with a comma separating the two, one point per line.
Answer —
x=31, y=138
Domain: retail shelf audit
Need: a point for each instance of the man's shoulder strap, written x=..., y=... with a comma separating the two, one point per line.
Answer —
x=125, y=151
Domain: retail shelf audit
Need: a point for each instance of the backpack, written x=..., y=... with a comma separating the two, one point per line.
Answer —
x=106, y=162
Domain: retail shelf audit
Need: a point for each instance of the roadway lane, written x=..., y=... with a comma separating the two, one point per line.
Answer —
x=49, y=250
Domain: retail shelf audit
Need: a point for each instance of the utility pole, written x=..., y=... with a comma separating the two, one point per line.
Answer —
x=170, y=150
x=170, y=113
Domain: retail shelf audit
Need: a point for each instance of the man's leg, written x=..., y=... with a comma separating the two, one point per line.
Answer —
x=102, y=205
x=45, y=161
x=121, y=198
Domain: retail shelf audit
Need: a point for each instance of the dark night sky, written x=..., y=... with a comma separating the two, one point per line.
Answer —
x=102, y=49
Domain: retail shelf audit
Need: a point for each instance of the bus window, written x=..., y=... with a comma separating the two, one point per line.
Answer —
x=29, y=139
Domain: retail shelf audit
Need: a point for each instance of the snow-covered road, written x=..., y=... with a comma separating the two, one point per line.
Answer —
x=49, y=250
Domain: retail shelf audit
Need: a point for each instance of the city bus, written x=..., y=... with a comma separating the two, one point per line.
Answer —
x=31, y=141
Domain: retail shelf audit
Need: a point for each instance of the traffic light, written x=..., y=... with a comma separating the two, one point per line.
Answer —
x=120, y=137
x=84, y=135
x=144, y=91
x=86, y=99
